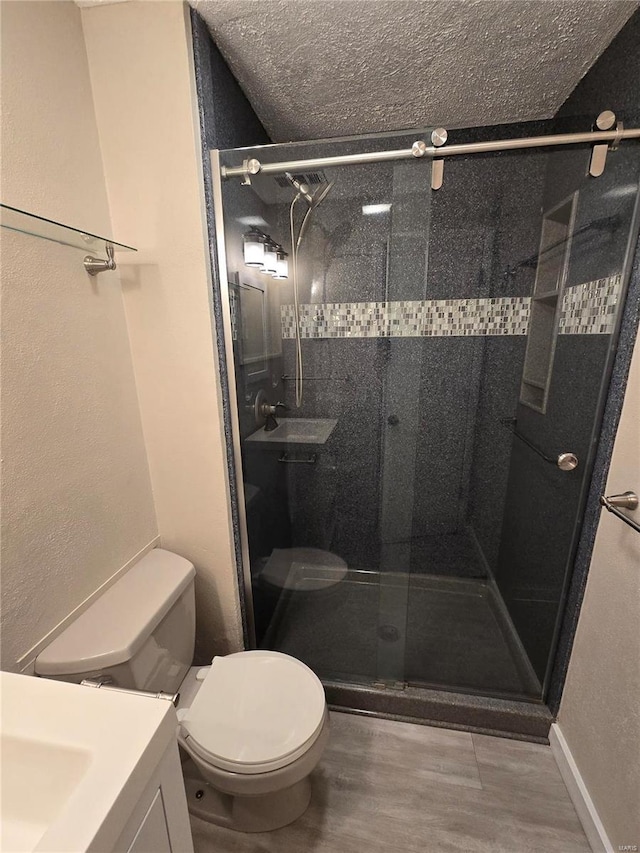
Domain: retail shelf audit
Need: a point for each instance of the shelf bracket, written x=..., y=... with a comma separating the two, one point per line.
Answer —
x=95, y=265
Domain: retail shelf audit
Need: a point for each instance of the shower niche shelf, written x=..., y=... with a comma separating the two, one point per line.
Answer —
x=24, y=222
x=546, y=302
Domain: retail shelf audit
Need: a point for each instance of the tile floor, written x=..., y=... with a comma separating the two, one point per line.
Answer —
x=389, y=787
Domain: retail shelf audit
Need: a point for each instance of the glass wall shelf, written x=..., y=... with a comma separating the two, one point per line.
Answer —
x=48, y=229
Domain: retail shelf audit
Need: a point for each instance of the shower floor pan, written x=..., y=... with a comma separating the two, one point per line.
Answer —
x=454, y=641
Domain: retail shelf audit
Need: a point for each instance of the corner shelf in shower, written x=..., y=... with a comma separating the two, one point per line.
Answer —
x=48, y=229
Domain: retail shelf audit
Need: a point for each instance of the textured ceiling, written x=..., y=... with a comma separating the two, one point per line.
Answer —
x=326, y=68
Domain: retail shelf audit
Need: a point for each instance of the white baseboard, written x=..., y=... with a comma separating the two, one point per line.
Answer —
x=584, y=806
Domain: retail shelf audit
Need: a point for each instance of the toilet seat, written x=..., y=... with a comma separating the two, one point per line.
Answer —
x=255, y=712
x=303, y=569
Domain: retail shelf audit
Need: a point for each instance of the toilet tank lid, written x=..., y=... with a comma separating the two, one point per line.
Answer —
x=115, y=626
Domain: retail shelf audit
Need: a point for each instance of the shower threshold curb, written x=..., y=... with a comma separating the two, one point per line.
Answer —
x=480, y=714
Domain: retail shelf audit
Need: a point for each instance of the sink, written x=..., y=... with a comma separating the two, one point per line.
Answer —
x=74, y=761
x=41, y=777
x=296, y=431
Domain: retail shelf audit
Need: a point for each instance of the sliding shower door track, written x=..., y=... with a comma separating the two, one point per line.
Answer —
x=419, y=149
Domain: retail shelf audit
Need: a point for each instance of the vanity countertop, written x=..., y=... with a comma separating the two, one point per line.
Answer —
x=75, y=760
x=296, y=431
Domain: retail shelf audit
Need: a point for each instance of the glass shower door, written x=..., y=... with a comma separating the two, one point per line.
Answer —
x=329, y=492
x=407, y=522
x=531, y=256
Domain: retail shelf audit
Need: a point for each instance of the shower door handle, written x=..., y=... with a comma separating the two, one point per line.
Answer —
x=565, y=461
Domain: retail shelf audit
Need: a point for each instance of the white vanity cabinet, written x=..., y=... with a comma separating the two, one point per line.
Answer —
x=153, y=832
x=160, y=821
x=89, y=770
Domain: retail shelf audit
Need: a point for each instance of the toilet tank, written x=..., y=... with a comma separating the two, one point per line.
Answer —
x=140, y=631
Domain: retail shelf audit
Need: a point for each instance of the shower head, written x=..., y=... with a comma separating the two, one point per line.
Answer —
x=312, y=199
x=303, y=189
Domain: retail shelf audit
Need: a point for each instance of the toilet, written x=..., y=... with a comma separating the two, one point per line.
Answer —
x=252, y=726
x=302, y=570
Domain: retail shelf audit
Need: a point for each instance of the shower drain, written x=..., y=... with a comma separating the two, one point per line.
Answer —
x=388, y=633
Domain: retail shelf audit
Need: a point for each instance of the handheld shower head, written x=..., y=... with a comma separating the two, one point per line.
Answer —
x=303, y=189
x=312, y=199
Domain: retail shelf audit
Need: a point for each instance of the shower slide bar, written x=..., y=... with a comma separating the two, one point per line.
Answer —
x=566, y=461
x=420, y=149
x=627, y=500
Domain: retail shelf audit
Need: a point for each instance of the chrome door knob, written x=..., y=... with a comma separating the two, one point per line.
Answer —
x=567, y=461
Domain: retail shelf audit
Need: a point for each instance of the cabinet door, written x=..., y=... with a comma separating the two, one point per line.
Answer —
x=152, y=836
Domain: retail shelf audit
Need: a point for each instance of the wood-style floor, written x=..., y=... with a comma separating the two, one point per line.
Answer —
x=389, y=787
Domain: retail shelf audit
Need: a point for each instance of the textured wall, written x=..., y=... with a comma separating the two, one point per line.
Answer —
x=77, y=503
x=141, y=72
x=325, y=69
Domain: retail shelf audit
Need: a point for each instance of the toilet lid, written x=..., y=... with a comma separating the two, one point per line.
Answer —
x=255, y=712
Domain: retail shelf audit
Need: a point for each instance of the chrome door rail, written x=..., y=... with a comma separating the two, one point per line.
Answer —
x=420, y=149
x=244, y=570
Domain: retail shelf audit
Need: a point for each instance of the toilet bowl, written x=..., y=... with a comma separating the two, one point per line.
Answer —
x=253, y=733
x=252, y=726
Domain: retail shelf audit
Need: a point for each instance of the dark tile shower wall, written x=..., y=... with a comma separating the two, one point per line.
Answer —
x=226, y=120
x=518, y=220
x=336, y=502
x=482, y=224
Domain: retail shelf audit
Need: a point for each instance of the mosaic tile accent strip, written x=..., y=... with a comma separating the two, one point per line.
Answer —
x=586, y=309
x=590, y=309
x=429, y=318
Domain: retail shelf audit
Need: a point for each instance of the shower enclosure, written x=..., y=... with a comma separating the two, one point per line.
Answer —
x=419, y=399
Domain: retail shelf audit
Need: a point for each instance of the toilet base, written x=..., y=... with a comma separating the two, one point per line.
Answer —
x=261, y=813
